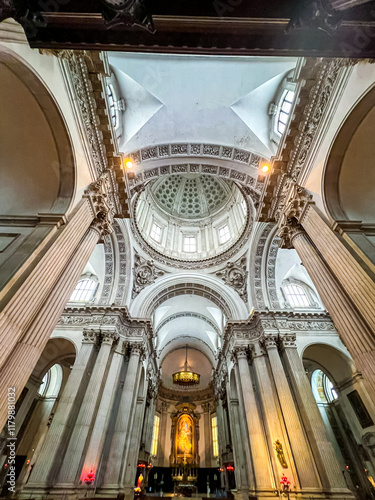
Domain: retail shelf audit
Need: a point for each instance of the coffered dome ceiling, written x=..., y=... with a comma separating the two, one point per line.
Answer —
x=191, y=217
x=191, y=195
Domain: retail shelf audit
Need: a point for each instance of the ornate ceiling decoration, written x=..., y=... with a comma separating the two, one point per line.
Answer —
x=235, y=275
x=145, y=273
x=194, y=264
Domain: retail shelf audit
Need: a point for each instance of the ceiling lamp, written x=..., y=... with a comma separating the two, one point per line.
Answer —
x=186, y=378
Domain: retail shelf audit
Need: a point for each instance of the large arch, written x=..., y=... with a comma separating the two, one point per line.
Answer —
x=349, y=177
x=170, y=286
x=36, y=152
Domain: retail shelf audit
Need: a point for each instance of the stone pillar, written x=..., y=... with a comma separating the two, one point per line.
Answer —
x=259, y=451
x=325, y=458
x=134, y=445
x=241, y=475
x=59, y=433
x=99, y=432
x=70, y=470
x=351, y=275
x=244, y=431
x=162, y=451
x=149, y=426
x=18, y=366
x=353, y=330
x=115, y=463
x=223, y=441
x=207, y=434
x=300, y=446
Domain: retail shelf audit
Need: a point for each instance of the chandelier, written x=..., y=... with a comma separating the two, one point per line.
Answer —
x=186, y=378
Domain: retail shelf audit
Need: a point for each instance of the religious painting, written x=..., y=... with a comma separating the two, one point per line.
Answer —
x=185, y=435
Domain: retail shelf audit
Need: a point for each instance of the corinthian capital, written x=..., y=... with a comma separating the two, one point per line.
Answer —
x=109, y=337
x=90, y=336
x=288, y=341
x=292, y=214
x=269, y=342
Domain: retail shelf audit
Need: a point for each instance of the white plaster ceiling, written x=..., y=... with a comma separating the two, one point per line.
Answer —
x=188, y=303
x=189, y=98
x=197, y=362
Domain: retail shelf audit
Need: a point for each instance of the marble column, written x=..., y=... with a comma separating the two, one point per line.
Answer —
x=352, y=276
x=134, y=447
x=149, y=427
x=242, y=482
x=95, y=448
x=71, y=467
x=244, y=431
x=258, y=445
x=325, y=458
x=115, y=464
x=58, y=436
x=223, y=441
x=207, y=434
x=18, y=367
x=353, y=330
x=163, y=452
x=304, y=461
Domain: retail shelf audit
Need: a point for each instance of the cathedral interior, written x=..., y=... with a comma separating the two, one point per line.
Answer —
x=187, y=249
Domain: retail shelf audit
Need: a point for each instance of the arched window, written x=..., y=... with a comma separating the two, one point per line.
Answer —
x=85, y=289
x=297, y=294
x=322, y=387
x=111, y=105
x=281, y=107
x=115, y=105
x=285, y=107
x=51, y=382
x=155, y=436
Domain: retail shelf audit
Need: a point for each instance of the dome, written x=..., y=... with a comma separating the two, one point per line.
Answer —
x=191, y=217
x=190, y=196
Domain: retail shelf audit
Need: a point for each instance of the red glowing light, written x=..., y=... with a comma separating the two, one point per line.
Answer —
x=5, y=465
x=221, y=469
x=284, y=480
x=142, y=466
x=90, y=477
x=230, y=467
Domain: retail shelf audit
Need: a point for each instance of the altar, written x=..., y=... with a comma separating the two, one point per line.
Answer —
x=184, y=458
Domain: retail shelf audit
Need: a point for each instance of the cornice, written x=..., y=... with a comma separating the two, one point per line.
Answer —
x=185, y=396
x=86, y=72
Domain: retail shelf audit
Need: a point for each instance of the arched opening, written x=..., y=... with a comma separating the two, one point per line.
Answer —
x=37, y=405
x=349, y=176
x=36, y=160
x=341, y=401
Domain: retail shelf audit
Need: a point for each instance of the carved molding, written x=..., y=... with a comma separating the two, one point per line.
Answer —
x=145, y=273
x=127, y=13
x=235, y=275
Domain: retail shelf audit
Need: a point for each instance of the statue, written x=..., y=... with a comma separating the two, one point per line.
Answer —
x=278, y=447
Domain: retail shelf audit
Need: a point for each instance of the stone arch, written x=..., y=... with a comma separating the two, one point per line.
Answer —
x=352, y=151
x=41, y=174
x=335, y=363
x=264, y=262
x=205, y=286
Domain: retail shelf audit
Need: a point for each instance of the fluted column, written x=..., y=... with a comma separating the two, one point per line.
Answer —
x=325, y=458
x=300, y=447
x=57, y=439
x=134, y=446
x=33, y=337
x=223, y=441
x=99, y=432
x=258, y=445
x=162, y=451
x=244, y=431
x=120, y=435
x=149, y=426
x=207, y=434
x=354, y=332
x=238, y=452
x=351, y=275
x=70, y=470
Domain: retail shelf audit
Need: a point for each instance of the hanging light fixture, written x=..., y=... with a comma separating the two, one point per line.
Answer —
x=186, y=378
